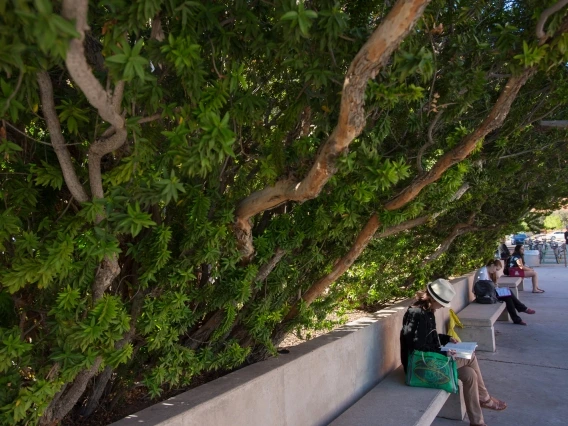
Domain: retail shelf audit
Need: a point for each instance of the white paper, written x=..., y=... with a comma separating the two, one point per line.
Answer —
x=463, y=349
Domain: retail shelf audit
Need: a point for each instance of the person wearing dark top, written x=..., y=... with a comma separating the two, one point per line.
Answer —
x=566, y=236
x=504, y=252
x=419, y=333
x=517, y=260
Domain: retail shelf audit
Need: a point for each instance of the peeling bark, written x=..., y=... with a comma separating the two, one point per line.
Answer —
x=108, y=271
x=366, y=64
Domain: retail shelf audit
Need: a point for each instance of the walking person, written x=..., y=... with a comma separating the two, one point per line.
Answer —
x=419, y=333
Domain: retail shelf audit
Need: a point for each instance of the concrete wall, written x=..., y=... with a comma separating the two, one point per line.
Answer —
x=311, y=385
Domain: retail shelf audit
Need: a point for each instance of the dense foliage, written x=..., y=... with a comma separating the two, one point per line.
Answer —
x=135, y=136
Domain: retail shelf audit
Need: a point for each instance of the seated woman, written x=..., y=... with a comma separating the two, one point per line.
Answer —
x=419, y=333
x=517, y=260
x=504, y=252
x=491, y=271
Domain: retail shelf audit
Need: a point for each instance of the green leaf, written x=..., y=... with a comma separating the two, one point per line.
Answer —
x=289, y=16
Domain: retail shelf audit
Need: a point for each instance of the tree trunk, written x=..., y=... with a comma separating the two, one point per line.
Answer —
x=366, y=64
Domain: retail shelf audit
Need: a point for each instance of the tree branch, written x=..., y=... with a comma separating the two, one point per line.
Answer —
x=97, y=151
x=150, y=118
x=268, y=267
x=458, y=230
x=431, y=142
x=79, y=68
x=55, y=413
x=445, y=245
x=404, y=226
x=361, y=242
x=13, y=94
x=540, y=33
x=107, y=106
x=342, y=264
x=57, y=140
x=372, y=56
x=493, y=121
x=516, y=154
x=558, y=124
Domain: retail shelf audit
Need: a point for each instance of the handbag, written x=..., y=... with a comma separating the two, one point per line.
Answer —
x=516, y=272
x=432, y=370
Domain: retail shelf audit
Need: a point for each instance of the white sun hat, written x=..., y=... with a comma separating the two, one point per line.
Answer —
x=441, y=291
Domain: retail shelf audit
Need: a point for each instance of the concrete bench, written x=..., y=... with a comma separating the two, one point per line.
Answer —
x=393, y=403
x=515, y=284
x=478, y=320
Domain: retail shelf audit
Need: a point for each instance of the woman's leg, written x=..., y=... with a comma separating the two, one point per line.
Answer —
x=473, y=388
x=519, y=306
x=532, y=274
x=471, y=394
x=512, y=309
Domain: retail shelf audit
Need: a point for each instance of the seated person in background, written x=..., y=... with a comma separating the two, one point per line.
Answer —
x=492, y=271
x=504, y=252
x=517, y=268
x=419, y=333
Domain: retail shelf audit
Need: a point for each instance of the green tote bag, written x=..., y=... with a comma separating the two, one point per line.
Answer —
x=432, y=370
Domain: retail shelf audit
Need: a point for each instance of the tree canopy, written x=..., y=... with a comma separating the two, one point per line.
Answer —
x=182, y=182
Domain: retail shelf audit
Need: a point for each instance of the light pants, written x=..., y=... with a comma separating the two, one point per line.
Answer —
x=473, y=388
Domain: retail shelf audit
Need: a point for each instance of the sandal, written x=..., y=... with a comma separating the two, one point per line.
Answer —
x=521, y=322
x=494, y=404
x=530, y=311
x=540, y=290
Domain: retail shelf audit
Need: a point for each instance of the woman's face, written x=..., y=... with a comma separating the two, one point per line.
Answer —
x=435, y=305
x=495, y=269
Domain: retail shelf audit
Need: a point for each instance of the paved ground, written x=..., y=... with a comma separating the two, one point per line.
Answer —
x=530, y=368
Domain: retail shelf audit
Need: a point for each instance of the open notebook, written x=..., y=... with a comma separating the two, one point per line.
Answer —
x=463, y=349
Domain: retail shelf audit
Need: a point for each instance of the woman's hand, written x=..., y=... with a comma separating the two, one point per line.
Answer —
x=452, y=353
x=452, y=340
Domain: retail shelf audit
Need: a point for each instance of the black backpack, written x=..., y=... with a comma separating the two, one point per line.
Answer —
x=484, y=291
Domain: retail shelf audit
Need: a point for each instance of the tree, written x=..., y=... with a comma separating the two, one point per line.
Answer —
x=552, y=221
x=183, y=182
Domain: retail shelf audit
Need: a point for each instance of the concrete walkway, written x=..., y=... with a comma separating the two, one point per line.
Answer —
x=530, y=368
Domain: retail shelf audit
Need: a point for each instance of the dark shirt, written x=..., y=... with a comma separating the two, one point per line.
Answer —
x=504, y=252
x=419, y=333
x=566, y=236
x=513, y=261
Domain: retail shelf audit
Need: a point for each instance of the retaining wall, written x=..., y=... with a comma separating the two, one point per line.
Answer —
x=311, y=385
